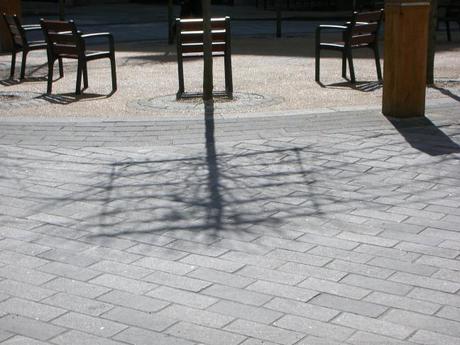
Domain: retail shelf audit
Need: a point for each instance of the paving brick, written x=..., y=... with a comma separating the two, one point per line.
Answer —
x=77, y=304
x=20, y=340
x=26, y=275
x=89, y=324
x=428, y=250
x=403, y=266
x=112, y=254
x=442, y=234
x=197, y=248
x=181, y=282
x=362, y=269
x=214, y=263
x=425, y=322
x=445, y=274
x=334, y=288
x=303, y=258
x=283, y=243
x=349, y=305
x=435, y=296
x=449, y=312
x=302, y=309
x=165, y=265
x=69, y=271
x=222, y=278
x=80, y=338
x=68, y=257
x=76, y=287
x=253, y=341
x=13, y=258
x=252, y=259
x=121, y=269
x=328, y=241
x=307, y=270
x=190, y=299
x=29, y=327
x=341, y=254
x=314, y=327
x=432, y=338
x=249, y=248
x=271, y=275
x=192, y=315
x=157, y=252
x=261, y=331
x=137, y=318
x=22, y=290
x=204, y=334
x=391, y=253
x=132, y=301
x=138, y=336
x=281, y=290
x=121, y=283
x=376, y=284
x=238, y=295
x=33, y=310
x=440, y=262
x=430, y=283
x=246, y=312
x=365, y=338
x=389, y=329
x=373, y=240
x=402, y=302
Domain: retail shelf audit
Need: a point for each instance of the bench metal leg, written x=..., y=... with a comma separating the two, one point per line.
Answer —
x=23, y=64
x=377, y=63
x=50, y=76
x=317, y=67
x=61, y=68
x=13, y=64
x=79, y=73
x=228, y=76
x=352, y=69
x=113, y=68
x=344, y=65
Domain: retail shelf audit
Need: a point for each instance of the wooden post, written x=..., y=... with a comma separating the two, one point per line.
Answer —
x=432, y=31
x=9, y=7
x=207, y=52
x=406, y=41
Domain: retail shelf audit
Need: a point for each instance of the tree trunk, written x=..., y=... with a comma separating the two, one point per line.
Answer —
x=431, y=42
x=207, y=47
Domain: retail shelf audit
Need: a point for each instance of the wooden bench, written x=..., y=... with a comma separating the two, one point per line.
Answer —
x=361, y=32
x=190, y=45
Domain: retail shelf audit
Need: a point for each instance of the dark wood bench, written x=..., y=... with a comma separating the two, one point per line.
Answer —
x=190, y=44
x=64, y=41
x=361, y=32
x=447, y=13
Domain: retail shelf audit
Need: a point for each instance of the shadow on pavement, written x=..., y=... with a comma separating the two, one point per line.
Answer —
x=425, y=136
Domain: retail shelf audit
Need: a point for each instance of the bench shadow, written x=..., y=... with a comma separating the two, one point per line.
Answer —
x=363, y=86
x=425, y=136
x=69, y=98
x=14, y=82
x=446, y=92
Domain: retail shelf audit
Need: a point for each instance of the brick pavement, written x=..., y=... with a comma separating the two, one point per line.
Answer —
x=307, y=229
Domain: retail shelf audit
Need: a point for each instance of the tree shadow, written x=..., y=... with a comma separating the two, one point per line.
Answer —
x=425, y=136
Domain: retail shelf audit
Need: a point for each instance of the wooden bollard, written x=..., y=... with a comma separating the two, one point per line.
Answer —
x=405, y=59
x=8, y=7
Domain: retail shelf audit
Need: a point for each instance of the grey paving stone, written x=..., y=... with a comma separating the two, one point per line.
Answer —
x=402, y=302
x=303, y=258
x=366, y=270
x=328, y=241
x=157, y=252
x=334, y=288
x=22, y=290
x=261, y=331
x=89, y=324
x=364, y=338
x=138, y=318
x=121, y=283
x=432, y=338
x=238, y=295
x=181, y=282
x=192, y=315
x=307, y=270
x=391, y=253
x=132, y=301
x=20, y=340
x=214, y=263
x=389, y=329
x=445, y=274
x=249, y=248
x=314, y=327
x=68, y=257
x=246, y=312
x=33, y=310
x=222, y=278
x=377, y=284
x=281, y=290
x=204, y=335
x=344, y=255
x=283, y=243
x=425, y=322
x=29, y=327
x=26, y=275
x=80, y=338
x=69, y=271
x=112, y=254
x=440, y=262
x=117, y=268
x=190, y=299
x=77, y=304
x=13, y=258
x=75, y=287
x=271, y=275
x=430, y=283
x=408, y=267
x=308, y=310
x=448, y=312
x=349, y=305
x=197, y=248
x=165, y=265
x=138, y=336
x=428, y=250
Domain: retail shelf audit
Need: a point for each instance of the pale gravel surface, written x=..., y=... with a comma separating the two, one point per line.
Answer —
x=281, y=69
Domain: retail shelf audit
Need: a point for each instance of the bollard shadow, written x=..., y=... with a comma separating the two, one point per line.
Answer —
x=425, y=136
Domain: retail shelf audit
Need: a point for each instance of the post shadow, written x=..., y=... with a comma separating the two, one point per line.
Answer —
x=215, y=206
x=425, y=136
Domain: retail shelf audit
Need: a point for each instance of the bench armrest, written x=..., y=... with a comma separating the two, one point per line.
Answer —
x=319, y=28
x=31, y=27
x=101, y=34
